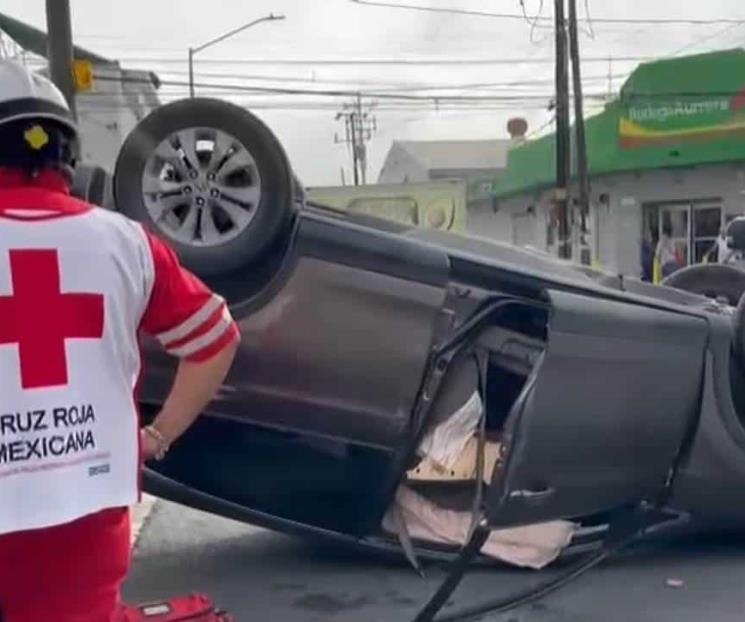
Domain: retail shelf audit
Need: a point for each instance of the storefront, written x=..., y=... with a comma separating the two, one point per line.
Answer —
x=694, y=226
x=667, y=155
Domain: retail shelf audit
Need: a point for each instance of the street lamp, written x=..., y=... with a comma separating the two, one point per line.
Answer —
x=267, y=18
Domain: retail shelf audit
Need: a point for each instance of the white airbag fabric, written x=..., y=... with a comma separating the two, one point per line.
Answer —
x=446, y=442
x=531, y=546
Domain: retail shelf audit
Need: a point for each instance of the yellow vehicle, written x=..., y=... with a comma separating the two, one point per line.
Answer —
x=434, y=205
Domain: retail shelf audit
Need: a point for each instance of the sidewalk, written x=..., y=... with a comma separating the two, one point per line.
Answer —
x=140, y=513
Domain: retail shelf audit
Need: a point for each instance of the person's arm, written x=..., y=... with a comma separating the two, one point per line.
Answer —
x=194, y=386
x=193, y=324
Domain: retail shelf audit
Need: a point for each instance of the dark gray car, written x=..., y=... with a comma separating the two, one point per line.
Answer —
x=610, y=397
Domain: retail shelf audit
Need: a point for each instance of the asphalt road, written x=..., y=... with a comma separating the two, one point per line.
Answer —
x=262, y=576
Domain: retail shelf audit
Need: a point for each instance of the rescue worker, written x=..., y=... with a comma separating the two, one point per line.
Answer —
x=77, y=283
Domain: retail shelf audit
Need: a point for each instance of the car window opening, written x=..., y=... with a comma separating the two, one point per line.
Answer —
x=434, y=504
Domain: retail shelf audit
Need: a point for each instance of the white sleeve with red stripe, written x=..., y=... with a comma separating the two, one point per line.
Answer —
x=188, y=320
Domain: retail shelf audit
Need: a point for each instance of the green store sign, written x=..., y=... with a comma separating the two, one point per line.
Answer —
x=660, y=121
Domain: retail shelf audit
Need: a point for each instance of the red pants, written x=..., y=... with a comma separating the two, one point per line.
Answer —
x=69, y=573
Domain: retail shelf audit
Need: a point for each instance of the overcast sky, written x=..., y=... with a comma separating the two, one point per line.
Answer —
x=155, y=34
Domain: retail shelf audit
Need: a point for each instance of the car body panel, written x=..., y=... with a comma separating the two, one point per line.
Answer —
x=605, y=414
x=528, y=272
x=712, y=471
x=316, y=410
x=318, y=418
x=296, y=477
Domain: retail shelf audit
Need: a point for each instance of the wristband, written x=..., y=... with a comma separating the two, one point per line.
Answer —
x=160, y=441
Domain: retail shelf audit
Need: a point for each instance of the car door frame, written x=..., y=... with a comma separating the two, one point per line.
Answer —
x=565, y=457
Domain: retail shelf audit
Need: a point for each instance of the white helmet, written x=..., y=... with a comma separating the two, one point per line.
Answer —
x=25, y=94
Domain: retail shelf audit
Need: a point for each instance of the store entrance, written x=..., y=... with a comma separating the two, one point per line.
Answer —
x=692, y=227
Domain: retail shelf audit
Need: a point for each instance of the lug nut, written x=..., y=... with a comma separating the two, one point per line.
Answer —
x=214, y=193
x=187, y=189
x=193, y=174
x=200, y=201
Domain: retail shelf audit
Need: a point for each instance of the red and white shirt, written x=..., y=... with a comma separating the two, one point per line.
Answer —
x=77, y=285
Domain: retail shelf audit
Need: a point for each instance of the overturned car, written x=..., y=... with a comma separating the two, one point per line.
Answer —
x=412, y=390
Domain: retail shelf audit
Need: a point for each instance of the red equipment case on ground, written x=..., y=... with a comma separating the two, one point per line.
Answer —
x=192, y=608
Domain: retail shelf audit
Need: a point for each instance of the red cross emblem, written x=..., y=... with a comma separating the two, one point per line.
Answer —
x=39, y=318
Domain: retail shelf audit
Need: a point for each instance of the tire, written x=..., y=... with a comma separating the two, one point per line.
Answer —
x=710, y=280
x=89, y=184
x=269, y=177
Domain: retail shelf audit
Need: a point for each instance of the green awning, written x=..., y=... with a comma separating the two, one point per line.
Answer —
x=670, y=113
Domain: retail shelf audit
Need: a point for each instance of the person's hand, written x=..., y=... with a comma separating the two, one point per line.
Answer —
x=148, y=446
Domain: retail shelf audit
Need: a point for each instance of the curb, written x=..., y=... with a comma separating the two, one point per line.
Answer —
x=140, y=513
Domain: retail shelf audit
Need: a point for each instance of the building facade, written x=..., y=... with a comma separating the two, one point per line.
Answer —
x=667, y=156
x=475, y=162
x=109, y=107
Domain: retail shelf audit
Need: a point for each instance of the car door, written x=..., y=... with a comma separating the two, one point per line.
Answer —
x=316, y=408
x=602, y=417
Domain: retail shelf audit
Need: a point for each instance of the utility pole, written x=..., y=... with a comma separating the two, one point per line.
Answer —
x=59, y=48
x=350, y=138
x=359, y=126
x=579, y=127
x=562, y=132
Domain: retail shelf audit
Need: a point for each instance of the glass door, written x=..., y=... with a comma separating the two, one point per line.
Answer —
x=707, y=222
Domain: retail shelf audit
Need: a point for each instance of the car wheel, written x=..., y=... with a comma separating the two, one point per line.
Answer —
x=210, y=178
x=89, y=184
x=711, y=280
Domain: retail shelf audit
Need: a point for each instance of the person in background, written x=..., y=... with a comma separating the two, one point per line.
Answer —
x=724, y=253
x=665, y=254
x=648, y=248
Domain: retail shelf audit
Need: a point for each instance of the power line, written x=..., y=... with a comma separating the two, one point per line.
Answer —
x=705, y=38
x=676, y=52
x=588, y=19
x=514, y=100
x=325, y=92
x=378, y=61
x=435, y=99
x=382, y=107
x=517, y=16
x=541, y=127
x=329, y=107
x=386, y=85
x=515, y=87
x=533, y=22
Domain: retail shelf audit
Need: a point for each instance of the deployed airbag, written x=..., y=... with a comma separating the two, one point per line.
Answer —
x=446, y=443
x=530, y=546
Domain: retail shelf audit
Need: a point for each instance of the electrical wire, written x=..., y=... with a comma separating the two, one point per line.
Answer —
x=328, y=92
x=463, y=111
x=533, y=23
x=600, y=20
x=436, y=99
x=355, y=62
x=588, y=19
x=678, y=51
x=384, y=86
x=542, y=127
x=714, y=35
